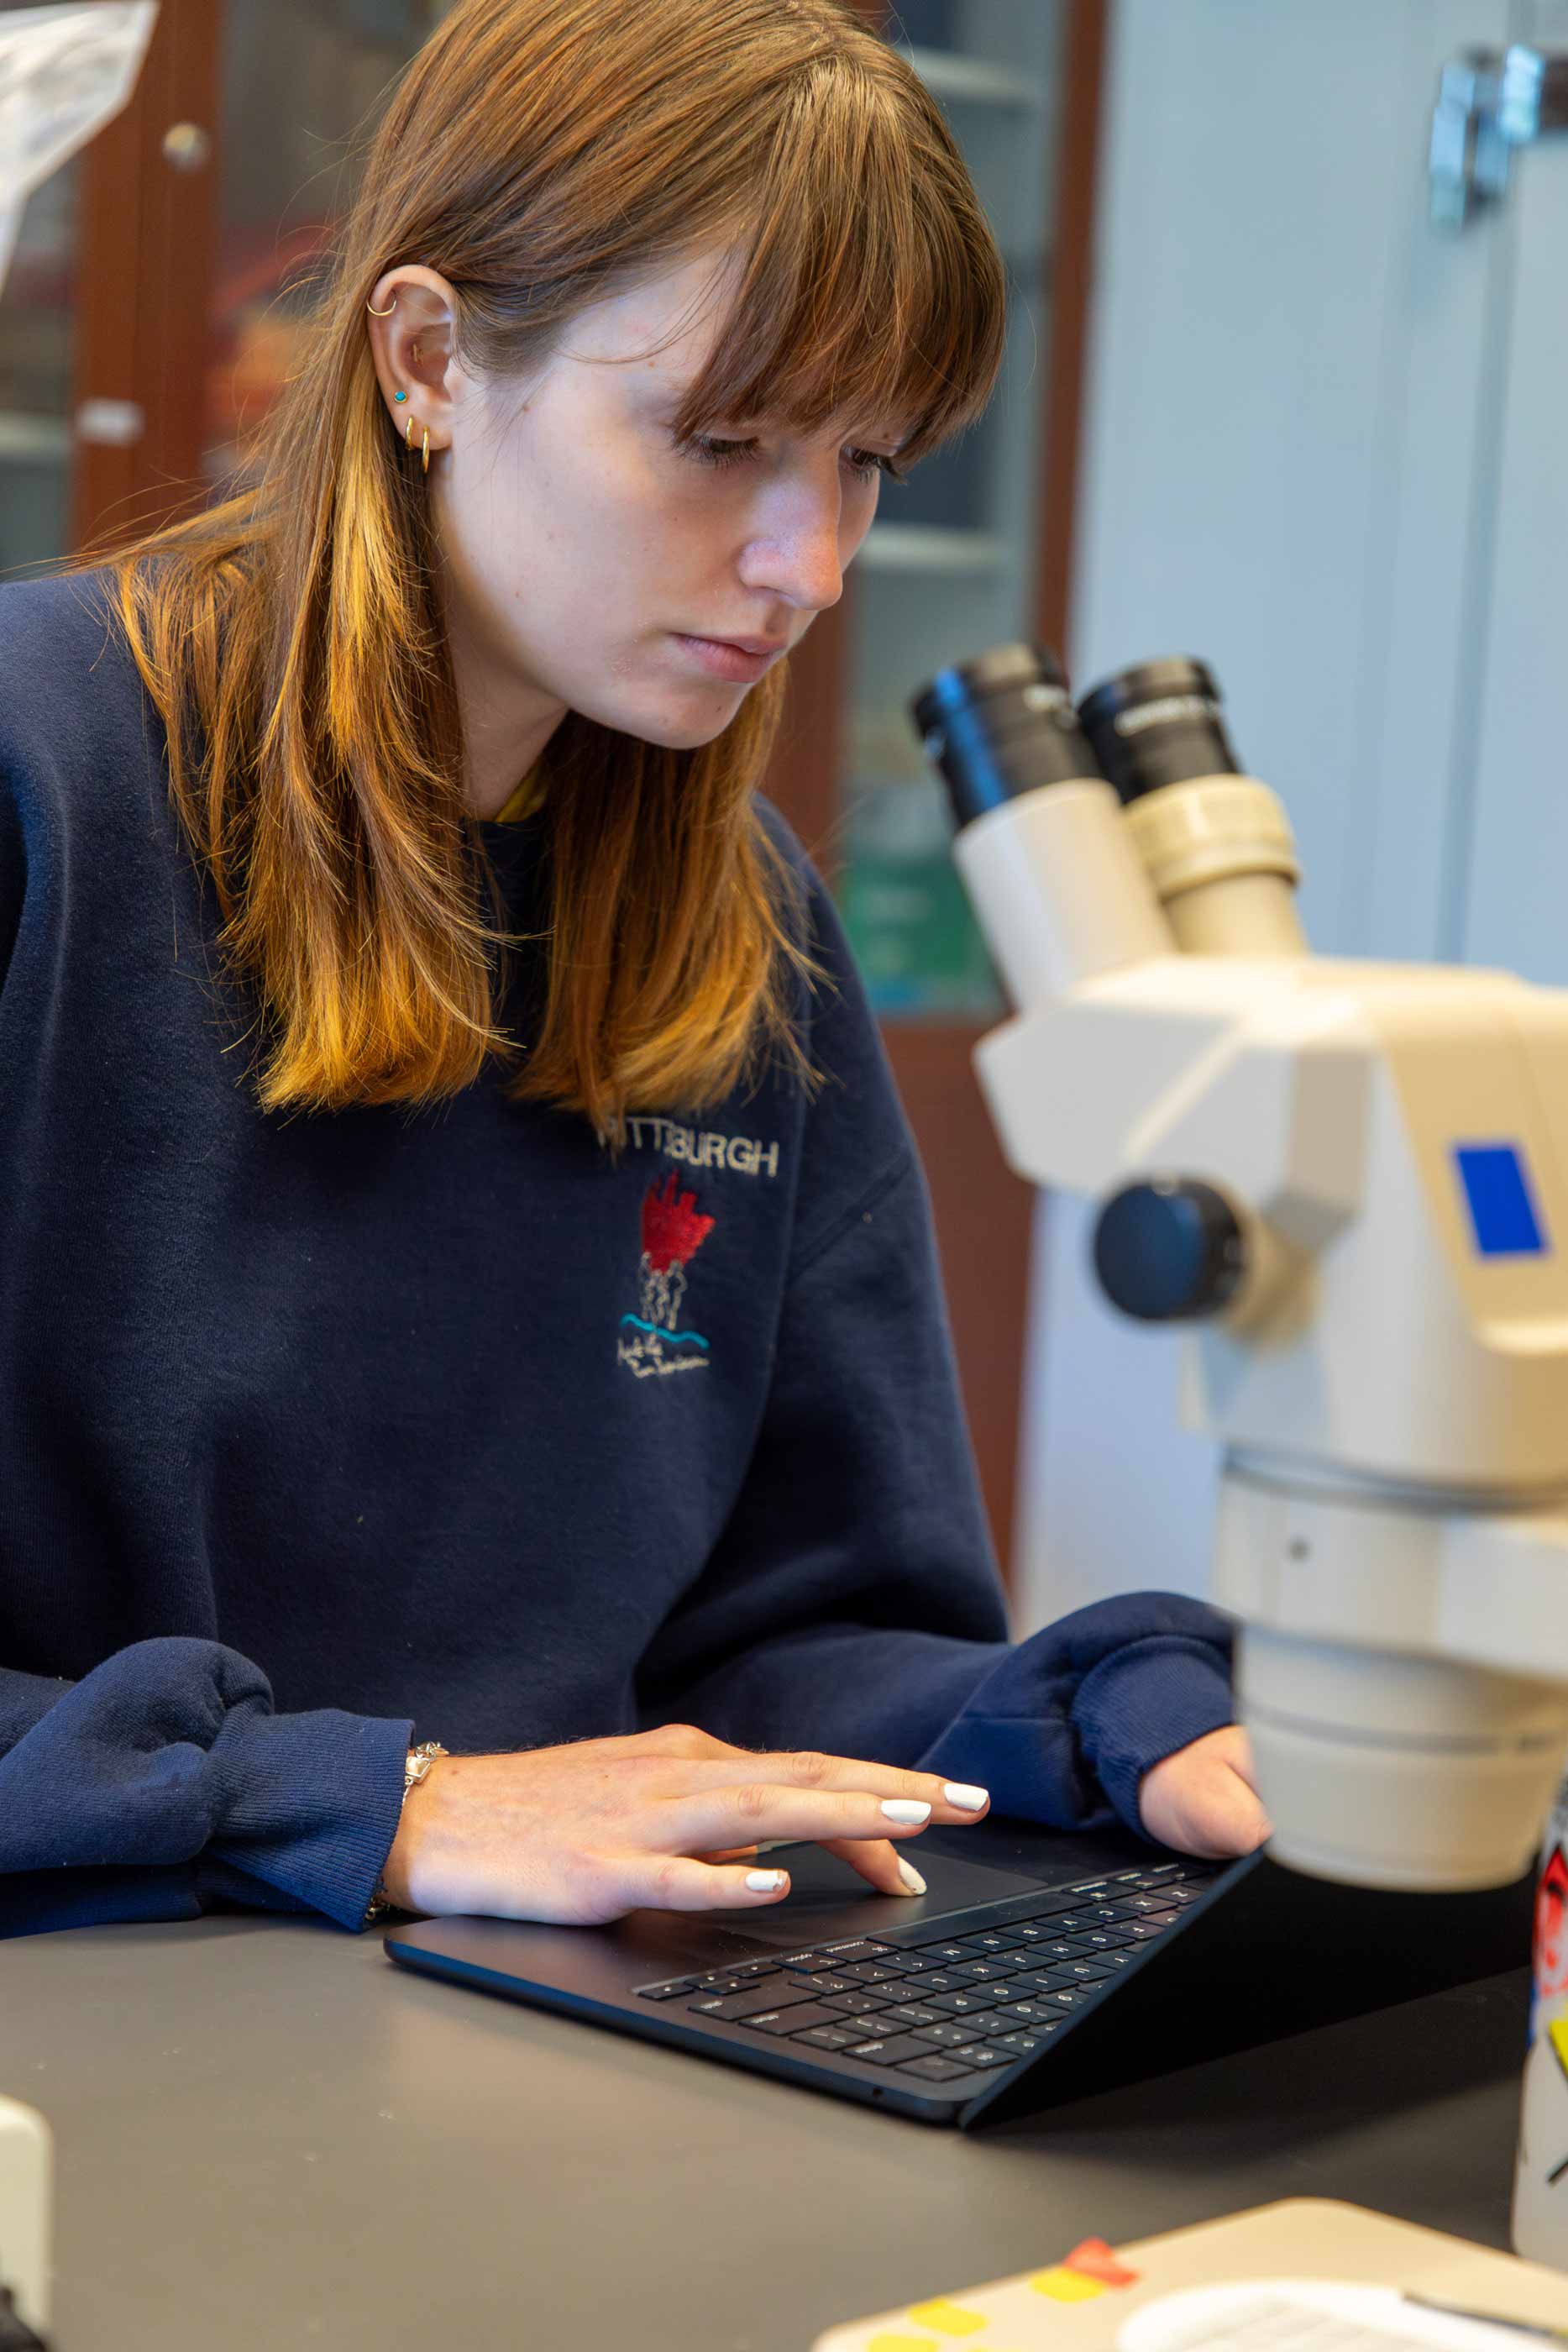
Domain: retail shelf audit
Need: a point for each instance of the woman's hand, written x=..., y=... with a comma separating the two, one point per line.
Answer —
x=582, y=1834
x=1204, y=1798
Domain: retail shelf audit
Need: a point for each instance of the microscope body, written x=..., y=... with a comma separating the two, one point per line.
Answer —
x=1387, y=1374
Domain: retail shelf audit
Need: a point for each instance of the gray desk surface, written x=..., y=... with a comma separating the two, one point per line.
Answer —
x=267, y=2135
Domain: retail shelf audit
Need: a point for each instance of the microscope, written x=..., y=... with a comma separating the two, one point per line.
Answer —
x=1349, y=1182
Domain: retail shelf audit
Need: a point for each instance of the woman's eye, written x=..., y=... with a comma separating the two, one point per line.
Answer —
x=865, y=463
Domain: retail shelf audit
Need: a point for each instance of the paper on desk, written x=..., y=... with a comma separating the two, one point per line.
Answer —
x=64, y=73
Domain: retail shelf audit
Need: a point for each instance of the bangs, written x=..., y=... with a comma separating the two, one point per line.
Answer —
x=870, y=288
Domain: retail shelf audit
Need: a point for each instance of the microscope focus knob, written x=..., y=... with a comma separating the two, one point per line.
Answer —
x=1168, y=1249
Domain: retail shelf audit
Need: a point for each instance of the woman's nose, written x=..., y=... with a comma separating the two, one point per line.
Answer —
x=801, y=558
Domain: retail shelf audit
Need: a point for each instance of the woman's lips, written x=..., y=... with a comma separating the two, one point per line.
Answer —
x=722, y=660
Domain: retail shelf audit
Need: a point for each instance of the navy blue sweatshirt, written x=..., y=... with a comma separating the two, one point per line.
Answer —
x=323, y=1433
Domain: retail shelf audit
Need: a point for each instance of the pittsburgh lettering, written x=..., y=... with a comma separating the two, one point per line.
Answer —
x=737, y=1152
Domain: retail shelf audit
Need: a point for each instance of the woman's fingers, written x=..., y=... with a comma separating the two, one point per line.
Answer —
x=703, y=1821
x=950, y=1801
x=880, y=1865
x=675, y=1883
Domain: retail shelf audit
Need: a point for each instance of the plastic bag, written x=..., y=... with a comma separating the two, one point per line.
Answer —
x=64, y=73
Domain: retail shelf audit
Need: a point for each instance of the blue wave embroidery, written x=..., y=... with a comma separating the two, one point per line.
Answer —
x=659, y=1331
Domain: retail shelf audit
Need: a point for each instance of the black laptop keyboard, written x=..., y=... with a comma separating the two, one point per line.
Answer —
x=963, y=2000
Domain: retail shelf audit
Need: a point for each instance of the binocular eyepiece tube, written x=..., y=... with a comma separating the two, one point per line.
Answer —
x=1049, y=799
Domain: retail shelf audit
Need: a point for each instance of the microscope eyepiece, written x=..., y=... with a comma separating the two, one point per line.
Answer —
x=1001, y=725
x=1158, y=723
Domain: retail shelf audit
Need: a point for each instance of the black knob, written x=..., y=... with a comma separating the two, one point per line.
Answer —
x=1169, y=1248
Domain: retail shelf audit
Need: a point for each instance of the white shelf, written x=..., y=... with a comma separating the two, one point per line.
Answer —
x=909, y=547
x=976, y=79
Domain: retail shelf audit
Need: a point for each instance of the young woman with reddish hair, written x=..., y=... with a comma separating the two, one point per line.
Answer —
x=466, y=1277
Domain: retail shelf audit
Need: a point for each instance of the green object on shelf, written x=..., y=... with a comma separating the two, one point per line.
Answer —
x=919, y=949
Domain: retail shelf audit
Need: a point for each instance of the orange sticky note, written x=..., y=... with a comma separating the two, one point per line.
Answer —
x=1064, y=2286
x=1094, y=2258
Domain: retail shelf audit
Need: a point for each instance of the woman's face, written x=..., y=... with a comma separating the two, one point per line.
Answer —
x=584, y=550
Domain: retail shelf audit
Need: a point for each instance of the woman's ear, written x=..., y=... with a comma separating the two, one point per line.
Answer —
x=411, y=317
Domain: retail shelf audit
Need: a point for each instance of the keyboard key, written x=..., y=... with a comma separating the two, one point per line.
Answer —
x=938, y=1981
x=1111, y=1939
x=913, y=1963
x=944, y=1952
x=908, y=2013
x=1025, y=2012
x=1145, y=1903
x=935, y=2068
x=887, y=2053
x=741, y=2005
x=1140, y=1930
x=1085, y=1972
x=961, y=2004
x=1181, y=1895
x=858, y=2005
x=757, y=1969
x=791, y=2021
x=984, y=1972
x=1163, y=1870
x=1069, y=1900
x=872, y=1973
x=806, y=1960
x=986, y=2054
x=822, y=1983
x=1017, y=2045
x=667, y=1991
x=828, y=2037
x=982, y=1947
x=949, y=2037
x=840, y=1955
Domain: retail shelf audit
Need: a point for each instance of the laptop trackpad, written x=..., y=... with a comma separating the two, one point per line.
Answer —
x=828, y=1900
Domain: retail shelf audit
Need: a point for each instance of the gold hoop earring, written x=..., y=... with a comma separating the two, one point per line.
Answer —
x=408, y=437
x=427, y=449
x=391, y=306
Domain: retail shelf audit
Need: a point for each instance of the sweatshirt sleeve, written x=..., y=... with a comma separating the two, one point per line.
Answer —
x=164, y=1783
x=853, y=1602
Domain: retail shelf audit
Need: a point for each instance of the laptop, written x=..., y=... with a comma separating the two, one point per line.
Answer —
x=1037, y=1968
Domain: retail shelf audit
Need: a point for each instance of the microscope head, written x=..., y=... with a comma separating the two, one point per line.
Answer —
x=1343, y=1181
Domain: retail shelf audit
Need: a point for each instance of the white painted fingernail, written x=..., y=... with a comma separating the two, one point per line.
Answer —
x=968, y=1800
x=765, y=1882
x=905, y=1809
x=911, y=1877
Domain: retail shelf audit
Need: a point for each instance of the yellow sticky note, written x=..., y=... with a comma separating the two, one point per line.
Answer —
x=948, y=2318
x=1558, y=2030
x=1064, y=2286
x=900, y=2343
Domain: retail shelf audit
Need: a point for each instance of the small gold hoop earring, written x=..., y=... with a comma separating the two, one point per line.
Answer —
x=426, y=452
x=391, y=306
x=408, y=437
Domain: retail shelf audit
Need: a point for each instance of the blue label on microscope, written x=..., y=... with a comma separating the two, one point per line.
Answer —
x=1498, y=1193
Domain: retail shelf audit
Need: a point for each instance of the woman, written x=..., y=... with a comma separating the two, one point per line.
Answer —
x=518, y=1334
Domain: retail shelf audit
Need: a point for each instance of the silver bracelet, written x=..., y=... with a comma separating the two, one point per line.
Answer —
x=416, y=1764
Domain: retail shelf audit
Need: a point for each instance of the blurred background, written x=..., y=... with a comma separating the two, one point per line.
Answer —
x=1283, y=389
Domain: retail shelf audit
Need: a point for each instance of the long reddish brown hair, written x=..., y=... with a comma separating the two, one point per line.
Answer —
x=540, y=155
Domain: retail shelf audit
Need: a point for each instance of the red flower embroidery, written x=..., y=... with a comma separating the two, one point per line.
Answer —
x=672, y=1232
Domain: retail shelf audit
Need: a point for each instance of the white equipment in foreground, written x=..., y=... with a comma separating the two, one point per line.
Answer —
x=1350, y=1181
x=25, y=2169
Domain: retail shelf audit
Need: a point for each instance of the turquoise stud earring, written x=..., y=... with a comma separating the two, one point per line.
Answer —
x=400, y=395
